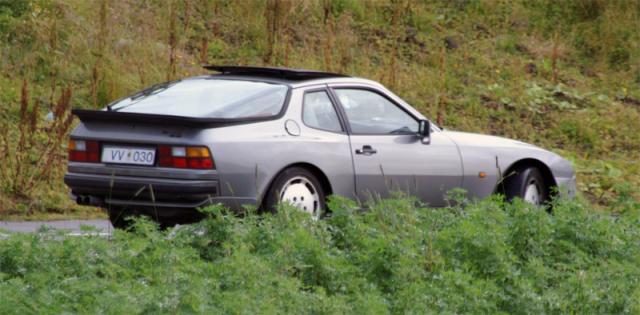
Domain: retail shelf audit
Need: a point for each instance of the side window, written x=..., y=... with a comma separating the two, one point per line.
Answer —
x=318, y=112
x=371, y=113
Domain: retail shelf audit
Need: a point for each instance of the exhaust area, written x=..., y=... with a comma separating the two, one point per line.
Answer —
x=87, y=200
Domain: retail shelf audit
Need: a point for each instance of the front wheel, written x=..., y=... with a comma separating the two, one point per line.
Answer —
x=528, y=184
x=300, y=188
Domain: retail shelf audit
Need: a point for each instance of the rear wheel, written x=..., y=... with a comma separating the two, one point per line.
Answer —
x=299, y=187
x=120, y=218
x=528, y=184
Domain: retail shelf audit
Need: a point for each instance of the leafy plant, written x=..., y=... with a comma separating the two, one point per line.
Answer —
x=397, y=257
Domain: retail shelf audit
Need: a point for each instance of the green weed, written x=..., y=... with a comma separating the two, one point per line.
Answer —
x=397, y=257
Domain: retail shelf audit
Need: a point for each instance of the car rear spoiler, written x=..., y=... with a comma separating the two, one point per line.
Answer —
x=88, y=115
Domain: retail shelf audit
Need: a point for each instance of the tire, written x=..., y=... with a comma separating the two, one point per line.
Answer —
x=294, y=185
x=527, y=184
x=120, y=218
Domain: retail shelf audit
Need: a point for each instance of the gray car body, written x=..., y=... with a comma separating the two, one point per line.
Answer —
x=249, y=156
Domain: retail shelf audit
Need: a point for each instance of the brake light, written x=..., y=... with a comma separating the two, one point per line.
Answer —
x=84, y=151
x=185, y=157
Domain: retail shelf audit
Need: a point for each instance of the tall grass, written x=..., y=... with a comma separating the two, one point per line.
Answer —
x=560, y=74
x=399, y=257
x=34, y=159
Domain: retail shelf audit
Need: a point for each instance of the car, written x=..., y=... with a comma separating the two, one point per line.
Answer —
x=259, y=136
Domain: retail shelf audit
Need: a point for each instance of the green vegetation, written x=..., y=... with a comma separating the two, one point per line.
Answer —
x=564, y=75
x=399, y=257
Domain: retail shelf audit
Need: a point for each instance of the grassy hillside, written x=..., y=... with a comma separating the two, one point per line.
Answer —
x=398, y=258
x=564, y=75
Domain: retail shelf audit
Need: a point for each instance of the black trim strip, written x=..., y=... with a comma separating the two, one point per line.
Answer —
x=341, y=113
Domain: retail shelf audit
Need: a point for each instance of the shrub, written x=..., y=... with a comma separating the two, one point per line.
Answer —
x=397, y=257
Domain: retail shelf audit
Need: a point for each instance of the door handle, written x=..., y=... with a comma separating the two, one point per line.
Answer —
x=366, y=150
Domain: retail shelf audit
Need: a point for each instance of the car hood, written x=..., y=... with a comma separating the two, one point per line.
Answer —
x=479, y=140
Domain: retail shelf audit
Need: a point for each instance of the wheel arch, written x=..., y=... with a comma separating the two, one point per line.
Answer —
x=549, y=179
x=320, y=175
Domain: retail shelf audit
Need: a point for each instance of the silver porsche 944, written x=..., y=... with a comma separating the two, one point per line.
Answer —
x=259, y=136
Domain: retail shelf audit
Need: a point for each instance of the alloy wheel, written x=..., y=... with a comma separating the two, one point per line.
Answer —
x=301, y=193
x=532, y=194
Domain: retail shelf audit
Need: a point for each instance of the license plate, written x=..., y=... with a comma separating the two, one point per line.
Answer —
x=128, y=155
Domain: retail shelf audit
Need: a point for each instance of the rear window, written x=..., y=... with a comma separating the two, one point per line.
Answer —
x=207, y=98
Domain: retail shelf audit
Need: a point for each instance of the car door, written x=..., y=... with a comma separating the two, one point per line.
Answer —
x=387, y=153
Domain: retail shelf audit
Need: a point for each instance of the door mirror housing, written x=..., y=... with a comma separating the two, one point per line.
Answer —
x=424, y=131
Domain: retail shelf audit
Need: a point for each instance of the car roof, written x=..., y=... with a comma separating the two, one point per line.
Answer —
x=292, y=77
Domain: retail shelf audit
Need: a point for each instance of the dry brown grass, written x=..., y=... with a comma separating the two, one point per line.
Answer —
x=39, y=152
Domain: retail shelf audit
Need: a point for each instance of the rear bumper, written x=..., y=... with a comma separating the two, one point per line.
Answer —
x=143, y=190
x=114, y=185
x=169, y=196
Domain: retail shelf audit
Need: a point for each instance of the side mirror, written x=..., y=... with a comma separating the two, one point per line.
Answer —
x=424, y=131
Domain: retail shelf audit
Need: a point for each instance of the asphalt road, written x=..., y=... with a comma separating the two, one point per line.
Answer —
x=74, y=227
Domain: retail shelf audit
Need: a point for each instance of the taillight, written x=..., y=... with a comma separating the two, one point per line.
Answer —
x=185, y=157
x=84, y=151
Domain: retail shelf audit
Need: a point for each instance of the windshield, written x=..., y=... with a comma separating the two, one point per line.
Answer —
x=207, y=98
